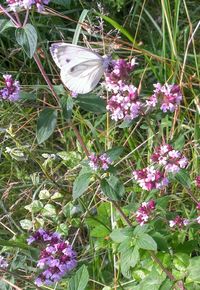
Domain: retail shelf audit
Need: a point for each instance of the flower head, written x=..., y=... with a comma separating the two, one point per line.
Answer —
x=172, y=160
x=149, y=178
x=27, y=4
x=99, y=162
x=11, y=90
x=168, y=97
x=56, y=257
x=3, y=263
x=123, y=102
x=178, y=222
x=144, y=211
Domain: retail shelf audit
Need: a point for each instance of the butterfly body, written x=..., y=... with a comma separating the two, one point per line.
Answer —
x=81, y=68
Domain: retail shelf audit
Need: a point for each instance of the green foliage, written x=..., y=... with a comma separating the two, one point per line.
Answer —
x=80, y=279
x=46, y=124
x=27, y=38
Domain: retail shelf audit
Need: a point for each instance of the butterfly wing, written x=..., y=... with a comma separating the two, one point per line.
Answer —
x=81, y=68
x=82, y=77
x=63, y=54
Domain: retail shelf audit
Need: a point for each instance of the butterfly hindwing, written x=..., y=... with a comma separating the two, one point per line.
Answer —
x=83, y=77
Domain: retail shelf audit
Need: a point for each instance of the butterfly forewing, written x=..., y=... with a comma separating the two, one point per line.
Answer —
x=81, y=68
x=64, y=53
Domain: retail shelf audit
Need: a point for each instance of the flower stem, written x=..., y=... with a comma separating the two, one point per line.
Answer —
x=9, y=16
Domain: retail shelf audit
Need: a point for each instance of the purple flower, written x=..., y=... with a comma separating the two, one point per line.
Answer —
x=99, y=162
x=3, y=263
x=172, y=160
x=144, y=211
x=149, y=178
x=168, y=97
x=56, y=258
x=123, y=102
x=178, y=222
x=27, y=4
x=11, y=91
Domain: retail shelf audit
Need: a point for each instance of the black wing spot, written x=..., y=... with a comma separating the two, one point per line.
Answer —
x=67, y=60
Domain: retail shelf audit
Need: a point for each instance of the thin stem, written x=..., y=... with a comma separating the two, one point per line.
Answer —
x=80, y=140
x=9, y=16
x=18, y=19
x=26, y=18
x=39, y=64
x=192, y=196
x=167, y=272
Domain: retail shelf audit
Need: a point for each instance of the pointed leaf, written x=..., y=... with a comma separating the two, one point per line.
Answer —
x=81, y=184
x=79, y=280
x=46, y=124
x=27, y=39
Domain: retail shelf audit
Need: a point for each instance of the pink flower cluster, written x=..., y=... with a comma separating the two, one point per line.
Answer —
x=27, y=4
x=56, y=258
x=99, y=162
x=144, y=212
x=149, y=178
x=171, y=159
x=11, y=91
x=3, y=263
x=168, y=97
x=167, y=160
x=178, y=222
x=123, y=103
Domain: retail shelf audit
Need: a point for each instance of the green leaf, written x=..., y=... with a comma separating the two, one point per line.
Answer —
x=79, y=280
x=49, y=210
x=91, y=103
x=27, y=39
x=67, y=107
x=146, y=242
x=194, y=269
x=46, y=124
x=14, y=244
x=120, y=235
x=26, y=224
x=161, y=241
x=79, y=26
x=179, y=142
x=44, y=194
x=5, y=24
x=129, y=258
x=184, y=178
x=181, y=261
x=112, y=187
x=118, y=27
x=140, y=230
x=152, y=281
x=114, y=153
x=81, y=184
x=100, y=232
x=35, y=206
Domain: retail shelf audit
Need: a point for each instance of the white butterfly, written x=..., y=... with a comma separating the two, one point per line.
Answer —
x=81, y=68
